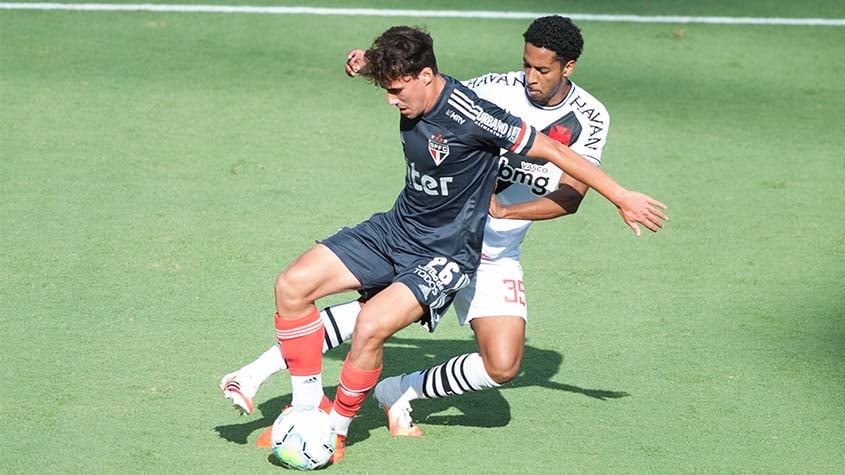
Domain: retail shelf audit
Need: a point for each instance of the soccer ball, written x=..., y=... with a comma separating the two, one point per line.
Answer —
x=303, y=438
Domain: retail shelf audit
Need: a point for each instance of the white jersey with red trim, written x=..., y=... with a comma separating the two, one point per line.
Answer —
x=579, y=121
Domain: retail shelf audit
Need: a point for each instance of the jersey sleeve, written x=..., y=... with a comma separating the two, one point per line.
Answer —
x=492, y=126
x=593, y=138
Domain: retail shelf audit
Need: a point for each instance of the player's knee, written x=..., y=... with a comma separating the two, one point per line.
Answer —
x=292, y=288
x=502, y=369
x=370, y=331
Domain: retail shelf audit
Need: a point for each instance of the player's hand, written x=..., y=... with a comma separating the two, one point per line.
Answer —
x=355, y=61
x=643, y=209
x=496, y=209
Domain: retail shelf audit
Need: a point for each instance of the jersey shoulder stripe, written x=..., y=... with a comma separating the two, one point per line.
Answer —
x=464, y=105
x=493, y=120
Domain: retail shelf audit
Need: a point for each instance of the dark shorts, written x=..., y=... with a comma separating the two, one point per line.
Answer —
x=377, y=258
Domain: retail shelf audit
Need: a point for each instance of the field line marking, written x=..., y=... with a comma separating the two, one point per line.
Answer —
x=717, y=20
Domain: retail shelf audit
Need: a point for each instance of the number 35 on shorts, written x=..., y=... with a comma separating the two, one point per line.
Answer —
x=514, y=291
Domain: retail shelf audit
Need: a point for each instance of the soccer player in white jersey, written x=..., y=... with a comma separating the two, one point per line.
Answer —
x=494, y=303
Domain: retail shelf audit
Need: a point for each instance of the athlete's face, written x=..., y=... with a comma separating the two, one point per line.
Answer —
x=546, y=78
x=408, y=94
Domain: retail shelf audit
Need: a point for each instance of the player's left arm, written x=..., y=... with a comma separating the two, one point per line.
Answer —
x=561, y=202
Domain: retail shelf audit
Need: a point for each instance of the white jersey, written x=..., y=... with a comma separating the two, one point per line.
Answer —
x=579, y=121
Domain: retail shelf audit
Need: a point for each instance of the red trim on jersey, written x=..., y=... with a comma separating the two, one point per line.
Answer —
x=518, y=141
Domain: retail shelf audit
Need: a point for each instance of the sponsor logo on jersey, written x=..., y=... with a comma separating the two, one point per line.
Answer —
x=438, y=148
x=455, y=116
x=429, y=276
x=595, y=118
x=424, y=289
x=534, y=167
x=496, y=126
x=475, y=113
x=515, y=134
x=432, y=186
x=436, y=275
x=496, y=78
x=530, y=175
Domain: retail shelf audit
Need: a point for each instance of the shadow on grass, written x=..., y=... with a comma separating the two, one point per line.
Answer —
x=404, y=355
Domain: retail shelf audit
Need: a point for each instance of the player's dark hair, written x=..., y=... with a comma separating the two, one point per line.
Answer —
x=558, y=34
x=400, y=51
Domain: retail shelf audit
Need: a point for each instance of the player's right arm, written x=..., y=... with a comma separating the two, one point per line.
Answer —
x=634, y=207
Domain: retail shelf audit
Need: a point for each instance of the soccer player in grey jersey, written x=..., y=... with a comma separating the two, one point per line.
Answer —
x=494, y=302
x=405, y=249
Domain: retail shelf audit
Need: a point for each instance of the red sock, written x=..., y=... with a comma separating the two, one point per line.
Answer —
x=326, y=404
x=354, y=386
x=301, y=341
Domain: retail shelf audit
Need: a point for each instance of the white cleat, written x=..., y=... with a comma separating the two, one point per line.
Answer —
x=391, y=398
x=240, y=389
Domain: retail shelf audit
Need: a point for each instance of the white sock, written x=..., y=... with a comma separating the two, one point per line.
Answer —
x=339, y=321
x=340, y=423
x=307, y=390
x=266, y=365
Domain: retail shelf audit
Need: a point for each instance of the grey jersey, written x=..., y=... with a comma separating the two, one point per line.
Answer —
x=452, y=156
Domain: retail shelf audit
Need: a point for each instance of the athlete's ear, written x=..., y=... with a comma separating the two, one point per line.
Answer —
x=569, y=68
x=427, y=75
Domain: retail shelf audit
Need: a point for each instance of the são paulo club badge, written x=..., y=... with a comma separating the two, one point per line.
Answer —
x=438, y=148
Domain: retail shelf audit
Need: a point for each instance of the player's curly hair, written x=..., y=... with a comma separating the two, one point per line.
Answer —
x=400, y=51
x=558, y=34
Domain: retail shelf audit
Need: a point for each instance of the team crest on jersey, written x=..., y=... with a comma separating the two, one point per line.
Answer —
x=438, y=148
x=560, y=133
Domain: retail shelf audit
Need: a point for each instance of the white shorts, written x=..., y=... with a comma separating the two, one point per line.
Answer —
x=496, y=290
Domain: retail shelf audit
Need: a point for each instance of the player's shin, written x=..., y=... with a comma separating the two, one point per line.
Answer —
x=241, y=386
x=301, y=342
x=355, y=384
x=339, y=322
x=456, y=376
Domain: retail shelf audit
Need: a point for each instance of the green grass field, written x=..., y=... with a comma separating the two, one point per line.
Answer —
x=157, y=170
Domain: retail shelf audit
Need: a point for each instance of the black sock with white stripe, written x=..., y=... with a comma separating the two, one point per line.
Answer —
x=456, y=376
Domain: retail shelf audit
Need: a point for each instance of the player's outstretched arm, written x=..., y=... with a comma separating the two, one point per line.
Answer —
x=635, y=208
